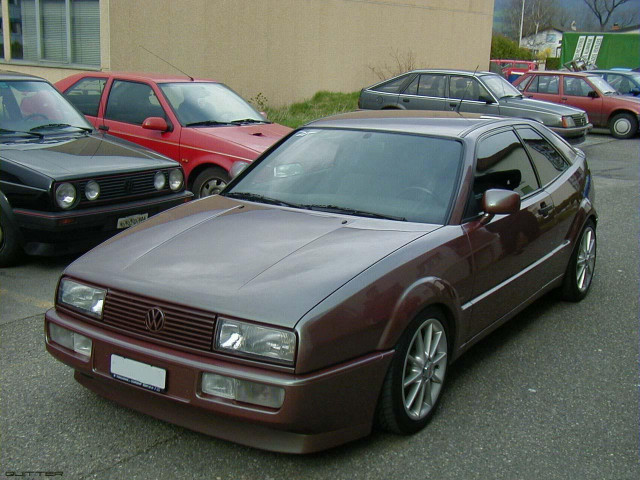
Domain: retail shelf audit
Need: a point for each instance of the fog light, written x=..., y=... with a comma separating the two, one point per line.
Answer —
x=71, y=340
x=242, y=390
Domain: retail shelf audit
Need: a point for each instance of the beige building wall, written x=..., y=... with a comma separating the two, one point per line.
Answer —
x=289, y=49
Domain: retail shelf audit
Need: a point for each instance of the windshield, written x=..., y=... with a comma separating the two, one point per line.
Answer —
x=602, y=85
x=499, y=87
x=29, y=107
x=206, y=104
x=354, y=172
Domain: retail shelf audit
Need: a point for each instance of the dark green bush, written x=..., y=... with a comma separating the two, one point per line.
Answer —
x=502, y=47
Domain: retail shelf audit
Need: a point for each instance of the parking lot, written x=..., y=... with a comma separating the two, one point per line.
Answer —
x=551, y=395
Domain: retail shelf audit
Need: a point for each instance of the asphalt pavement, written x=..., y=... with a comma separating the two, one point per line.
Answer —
x=554, y=394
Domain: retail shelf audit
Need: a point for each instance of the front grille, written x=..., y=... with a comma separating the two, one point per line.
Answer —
x=184, y=326
x=132, y=186
x=579, y=120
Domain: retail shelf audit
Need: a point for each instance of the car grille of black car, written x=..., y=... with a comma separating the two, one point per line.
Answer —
x=183, y=326
x=131, y=186
x=579, y=119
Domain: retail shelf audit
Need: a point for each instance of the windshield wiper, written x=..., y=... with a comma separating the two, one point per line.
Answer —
x=254, y=197
x=59, y=125
x=352, y=211
x=206, y=123
x=247, y=120
x=34, y=134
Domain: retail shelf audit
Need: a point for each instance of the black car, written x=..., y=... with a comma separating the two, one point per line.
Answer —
x=64, y=188
x=475, y=92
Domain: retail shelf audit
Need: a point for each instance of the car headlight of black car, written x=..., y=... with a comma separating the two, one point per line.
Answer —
x=250, y=340
x=159, y=180
x=176, y=180
x=92, y=190
x=65, y=195
x=84, y=298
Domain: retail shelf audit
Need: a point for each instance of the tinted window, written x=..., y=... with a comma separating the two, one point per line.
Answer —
x=548, y=162
x=132, y=102
x=575, y=87
x=85, y=95
x=392, y=86
x=427, y=85
x=545, y=84
x=467, y=88
x=502, y=162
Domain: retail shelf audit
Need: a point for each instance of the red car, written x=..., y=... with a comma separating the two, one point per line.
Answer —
x=203, y=124
x=590, y=92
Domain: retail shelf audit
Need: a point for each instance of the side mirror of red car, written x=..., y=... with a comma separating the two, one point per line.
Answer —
x=593, y=94
x=499, y=202
x=155, y=123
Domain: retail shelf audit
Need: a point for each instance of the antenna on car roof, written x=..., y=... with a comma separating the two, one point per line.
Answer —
x=170, y=64
x=465, y=91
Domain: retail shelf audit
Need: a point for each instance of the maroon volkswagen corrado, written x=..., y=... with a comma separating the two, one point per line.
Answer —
x=329, y=287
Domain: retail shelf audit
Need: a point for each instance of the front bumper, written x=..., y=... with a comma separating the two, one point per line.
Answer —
x=320, y=410
x=575, y=134
x=49, y=233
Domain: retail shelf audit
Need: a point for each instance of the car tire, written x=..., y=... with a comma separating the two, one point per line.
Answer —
x=623, y=125
x=579, y=274
x=413, y=385
x=10, y=249
x=210, y=181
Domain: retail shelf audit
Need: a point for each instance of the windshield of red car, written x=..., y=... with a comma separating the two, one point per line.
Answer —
x=602, y=85
x=206, y=104
x=34, y=107
x=363, y=173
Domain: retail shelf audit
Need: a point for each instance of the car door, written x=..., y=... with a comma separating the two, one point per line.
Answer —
x=467, y=94
x=508, y=252
x=85, y=95
x=128, y=104
x=576, y=92
x=425, y=92
x=544, y=87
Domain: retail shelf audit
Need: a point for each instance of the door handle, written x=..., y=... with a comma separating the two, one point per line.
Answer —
x=453, y=105
x=405, y=100
x=104, y=128
x=545, y=209
x=563, y=98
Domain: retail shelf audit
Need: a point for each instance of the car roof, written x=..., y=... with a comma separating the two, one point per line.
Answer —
x=451, y=71
x=8, y=75
x=617, y=72
x=449, y=124
x=154, y=77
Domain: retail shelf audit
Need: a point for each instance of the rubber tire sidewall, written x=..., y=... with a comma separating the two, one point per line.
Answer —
x=10, y=249
x=390, y=412
x=632, y=120
x=207, y=174
x=570, y=290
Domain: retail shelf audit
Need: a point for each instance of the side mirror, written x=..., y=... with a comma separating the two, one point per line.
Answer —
x=592, y=94
x=486, y=98
x=499, y=202
x=635, y=92
x=155, y=123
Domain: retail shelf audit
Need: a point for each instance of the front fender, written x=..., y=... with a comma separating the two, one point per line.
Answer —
x=425, y=292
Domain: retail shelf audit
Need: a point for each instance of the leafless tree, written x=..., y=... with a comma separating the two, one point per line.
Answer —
x=603, y=9
x=538, y=15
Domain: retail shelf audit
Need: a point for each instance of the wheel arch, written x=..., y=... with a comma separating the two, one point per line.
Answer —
x=7, y=211
x=621, y=110
x=208, y=162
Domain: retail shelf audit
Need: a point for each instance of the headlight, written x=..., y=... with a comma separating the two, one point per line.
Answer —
x=159, y=180
x=92, y=190
x=82, y=297
x=175, y=180
x=65, y=195
x=568, y=122
x=252, y=340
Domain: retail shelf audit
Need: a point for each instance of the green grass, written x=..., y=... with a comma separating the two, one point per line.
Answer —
x=321, y=105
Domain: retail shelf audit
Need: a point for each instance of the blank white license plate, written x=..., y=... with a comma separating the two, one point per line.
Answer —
x=138, y=373
x=131, y=220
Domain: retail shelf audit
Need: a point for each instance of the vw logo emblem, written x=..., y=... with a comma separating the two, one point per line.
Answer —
x=154, y=320
x=128, y=186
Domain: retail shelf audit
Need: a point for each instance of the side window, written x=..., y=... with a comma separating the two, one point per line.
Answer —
x=533, y=80
x=412, y=89
x=431, y=85
x=502, y=162
x=576, y=87
x=619, y=82
x=548, y=84
x=132, y=102
x=85, y=95
x=392, y=86
x=465, y=87
x=548, y=162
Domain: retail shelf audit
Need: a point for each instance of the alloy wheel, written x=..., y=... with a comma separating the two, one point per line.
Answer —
x=585, y=263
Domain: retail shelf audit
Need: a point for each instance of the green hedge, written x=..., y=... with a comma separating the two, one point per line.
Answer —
x=503, y=48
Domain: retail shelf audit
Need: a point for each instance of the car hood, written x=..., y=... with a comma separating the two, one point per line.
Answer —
x=254, y=137
x=78, y=156
x=241, y=259
x=540, y=106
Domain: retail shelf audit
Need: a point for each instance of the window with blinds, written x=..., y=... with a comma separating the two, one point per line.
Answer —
x=61, y=31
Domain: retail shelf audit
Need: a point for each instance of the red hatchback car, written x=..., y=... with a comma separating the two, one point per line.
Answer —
x=203, y=124
x=588, y=91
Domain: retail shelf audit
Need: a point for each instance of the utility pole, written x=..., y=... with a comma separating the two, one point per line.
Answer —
x=521, y=22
